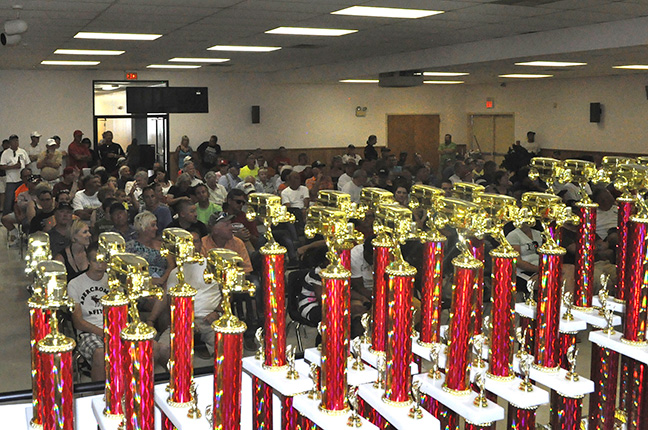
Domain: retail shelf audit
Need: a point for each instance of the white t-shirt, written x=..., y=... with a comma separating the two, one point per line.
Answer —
x=527, y=246
x=360, y=268
x=88, y=294
x=353, y=190
x=343, y=180
x=605, y=220
x=83, y=201
x=9, y=158
x=34, y=151
x=295, y=198
x=209, y=295
x=217, y=195
x=300, y=168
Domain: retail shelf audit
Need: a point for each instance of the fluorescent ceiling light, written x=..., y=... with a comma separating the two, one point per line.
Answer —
x=87, y=52
x=445, y=74
x=386, y=12
x=173, y=66
x=70, y=63
x=198, y=60
x=238, y=48
x=116, y=36
x=632, y=67
x=443, y=82
x=550, y=64
x=359, y=81
x=109, y=87
x=305, y=31
x=525, y=76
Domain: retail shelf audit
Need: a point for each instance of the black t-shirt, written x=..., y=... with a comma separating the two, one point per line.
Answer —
x=197, y=226
x=38, y=222
x=370, y=153
x=176, y=192
x=58, y=242
x=111, y=148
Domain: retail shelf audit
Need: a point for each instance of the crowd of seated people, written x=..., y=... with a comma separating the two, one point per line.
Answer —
x=209, y=199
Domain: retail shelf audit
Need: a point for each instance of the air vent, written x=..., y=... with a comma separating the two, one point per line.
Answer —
x=306, y=46
x=530, y=3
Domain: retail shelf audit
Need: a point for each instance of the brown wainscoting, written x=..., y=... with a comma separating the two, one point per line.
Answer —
x=565, y=154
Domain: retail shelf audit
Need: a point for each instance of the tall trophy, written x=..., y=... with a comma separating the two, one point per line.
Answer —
x=549, y=171
x=582, y=173
x=472, y=193
x=115, y=312
x=502, y=210
x=336, y=321
x=179, y=243
x=469, y=220
x=55, y=350
x=396, y=222
x=550, y=211
x=342, y=201
x=223, y=267
x=426, y=198
x=370, y=198
x=132, y=272
x=38, y=250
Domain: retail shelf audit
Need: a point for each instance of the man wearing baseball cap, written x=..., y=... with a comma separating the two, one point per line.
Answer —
x=34, y=150
x=78, y=152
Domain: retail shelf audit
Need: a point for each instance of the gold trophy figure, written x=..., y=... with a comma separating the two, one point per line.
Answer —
x=356, y=351
x=290, y=359
x=467, y=191
x=416, y=412
x=526, y=361
x=520, y=336
x=609, y=315
x=426, y=197
x=381, y=367
x=371, y=197
x=603, y=294
x=352, y=399
x=314, y=376
x=38, y=249
x=480, y=381
x=365, y=320
x=258, y=336
x=572, y=354
x=549, y=210
x=341, y=201
x=549, y=171
x=582, y=172
x=567, y=299
x=269, y=210
x=531, y=283
x=193, y=412
x=110, y=243
x=434, y=372
x=478, y=342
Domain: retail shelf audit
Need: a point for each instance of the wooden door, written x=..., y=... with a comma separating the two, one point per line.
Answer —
x=491, y=134
x=414, y=134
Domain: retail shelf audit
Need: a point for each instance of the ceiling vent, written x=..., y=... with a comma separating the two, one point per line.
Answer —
x=402, y=79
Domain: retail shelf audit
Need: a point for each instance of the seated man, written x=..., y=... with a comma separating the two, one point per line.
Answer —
x=208, y=299
x=204, y=207
x=87, y=200
x=41, y=211
x=119, y=218
x=153, y=205
x=23, y=197
x=188, y=217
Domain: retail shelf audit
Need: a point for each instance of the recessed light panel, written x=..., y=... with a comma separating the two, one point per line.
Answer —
x=70, y=63
x=173, y=66
x=238, y=48
x=116, y=36
x=632, y=67
x=359, y=81
x=198, y=60
x=87, y=52
x=525, y=76
x=307, y=31
x=445, y=74
x=386, y=12
x=550, y=64
x=443, y=82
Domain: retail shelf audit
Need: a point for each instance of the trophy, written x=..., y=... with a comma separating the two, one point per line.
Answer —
x=478, y=342
x=342, y=201
x=572, y=353
x=354, y=420
x=526, y=361
x=609, y=315
x=115, y=312
x=568, y=303
x=290, y=359
x=38, y=249
x=467, y=191
x=480, y=381
x=425, y=197
x=224, y=267
x=356, y=351
x=319, y=331
x=603, y=294
x=520, y=336
x=258, y=336
x=416, y=412
x=365, y=320
x=133, y=273
x=55, y=406
x=269, y=210
x=193, y=412
x=371, y=197
x=314, y=376
x=552, y=213
x=531, y=283
x=381, y=367
x=549, y=171
x=179, y=243
x=434, y=372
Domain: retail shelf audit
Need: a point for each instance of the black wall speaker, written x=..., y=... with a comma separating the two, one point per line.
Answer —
x=256, y=114
x=595, y=112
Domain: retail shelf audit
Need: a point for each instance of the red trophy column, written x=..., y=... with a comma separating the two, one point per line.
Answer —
x=228, y=353
x=382, y=258
x=432, y=283
x=604, y=373
x=547, y=347
x=584, y=268
x=636, y=283
x=625, y=206
x=39, y=327
x=477, y=249
x=521, y=418
x=115, y=306
x=503, y=313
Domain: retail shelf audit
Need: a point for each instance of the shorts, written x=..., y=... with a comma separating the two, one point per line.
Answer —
x=3, y=184
x=88, y=344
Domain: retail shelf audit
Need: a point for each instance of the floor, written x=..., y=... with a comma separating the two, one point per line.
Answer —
x=14, y=331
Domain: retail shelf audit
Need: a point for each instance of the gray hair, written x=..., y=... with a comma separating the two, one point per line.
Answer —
x=359, y=174
x=186, y=177
x=141, y=174
x=209, y=175
x=143, y=220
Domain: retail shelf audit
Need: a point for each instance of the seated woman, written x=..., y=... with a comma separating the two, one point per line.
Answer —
x=74, y=256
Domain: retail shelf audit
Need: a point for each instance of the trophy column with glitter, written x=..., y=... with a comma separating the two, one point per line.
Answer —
x=38, y=250
x=396, y=221
x=55, y=350
x=425, y=197
x=133, y=273
x=115, y=312
x=372, y=197
x=550, y=210
x=551, y=172
x=468, y=220
x=223, y=267
x=179, y=243
x=604, y=371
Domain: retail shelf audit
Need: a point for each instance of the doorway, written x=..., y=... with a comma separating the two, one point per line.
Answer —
x=493, y=135
x=414, y=134
x=151, y=131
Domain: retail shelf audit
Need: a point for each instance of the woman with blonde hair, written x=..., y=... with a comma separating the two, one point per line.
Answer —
x=74, y=256
x=183, y=150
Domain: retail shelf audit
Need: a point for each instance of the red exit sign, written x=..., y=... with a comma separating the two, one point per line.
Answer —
x=490, y=104
x=131, y=76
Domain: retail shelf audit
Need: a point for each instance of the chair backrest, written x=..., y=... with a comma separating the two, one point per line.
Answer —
x=293, y=288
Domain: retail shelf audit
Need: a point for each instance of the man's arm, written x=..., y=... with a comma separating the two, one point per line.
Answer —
x=82, y=325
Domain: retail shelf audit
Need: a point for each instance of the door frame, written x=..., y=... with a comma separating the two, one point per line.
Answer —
x=387, y=115
x=469, y=145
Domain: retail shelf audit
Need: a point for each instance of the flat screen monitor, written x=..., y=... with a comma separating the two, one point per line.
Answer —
x=167, y=100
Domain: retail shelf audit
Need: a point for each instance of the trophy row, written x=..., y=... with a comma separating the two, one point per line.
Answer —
x=389, y=335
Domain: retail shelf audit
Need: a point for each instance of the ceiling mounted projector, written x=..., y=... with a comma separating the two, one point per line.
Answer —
x=402, y=79
x=13, y=39
x=15, y=26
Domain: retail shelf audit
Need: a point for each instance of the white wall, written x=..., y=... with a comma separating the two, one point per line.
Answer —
x=301, y=115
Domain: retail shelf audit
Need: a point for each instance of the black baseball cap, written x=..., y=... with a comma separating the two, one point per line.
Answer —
x=64, y=206
x=217, y=217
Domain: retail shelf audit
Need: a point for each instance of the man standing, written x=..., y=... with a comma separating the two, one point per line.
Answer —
x=208, y=153
x=49, y=161
x=370, y=152
x=109, y=153
x=531, y=145
x=13, y=160
x=34, y=150
x=79, y=153
x=447, y=151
